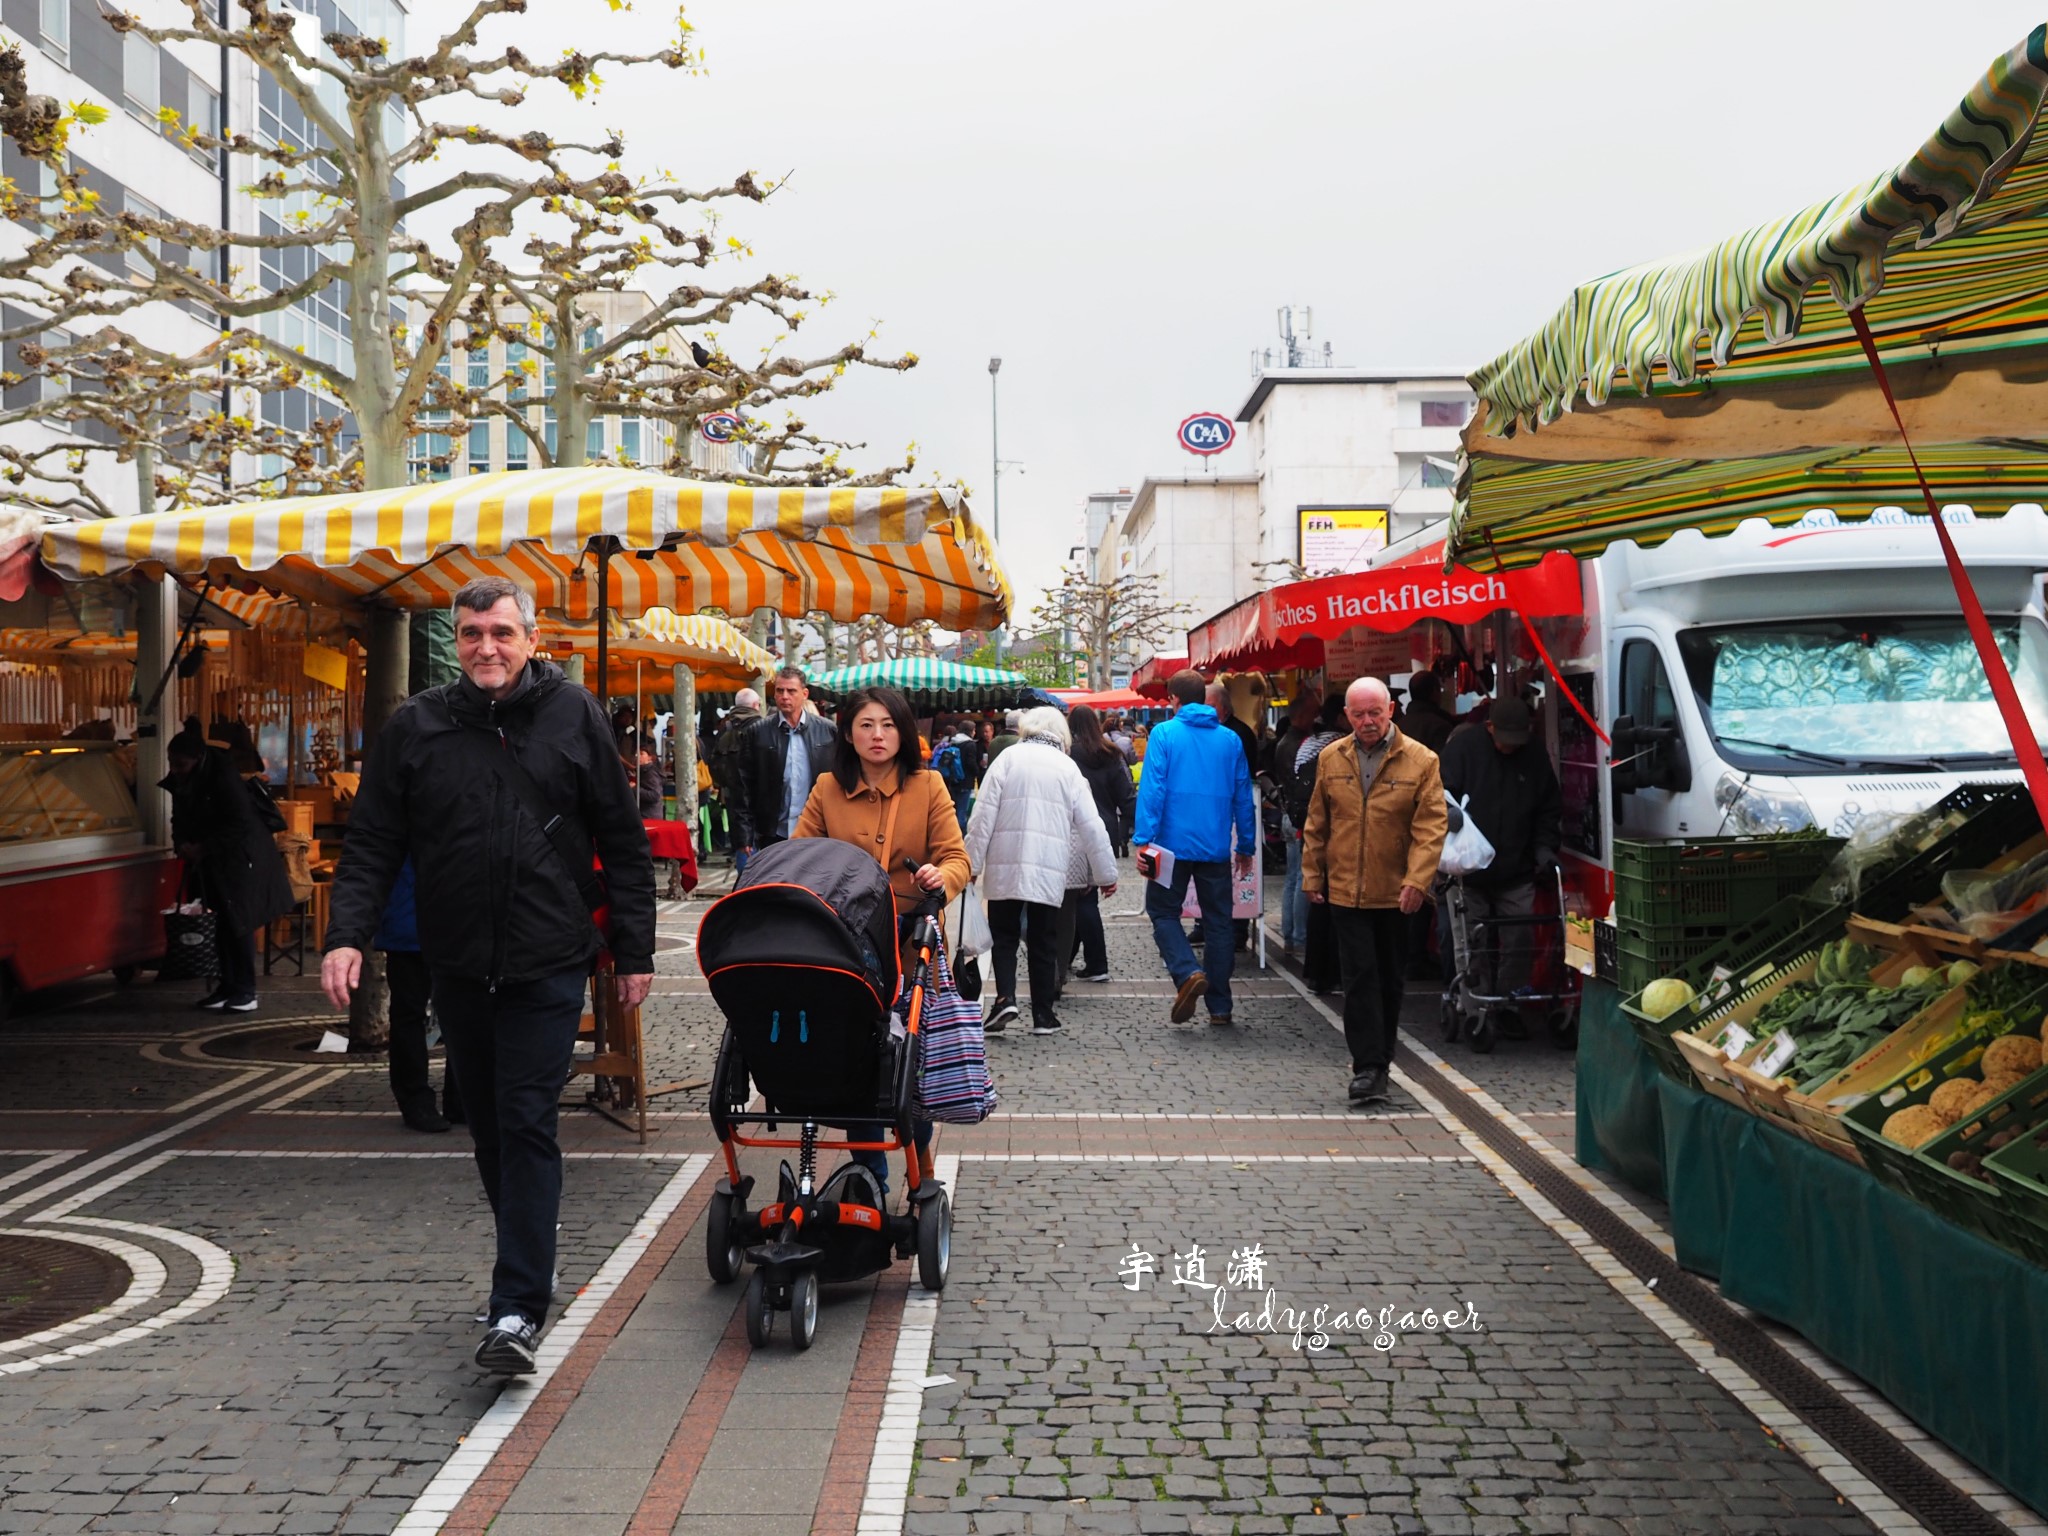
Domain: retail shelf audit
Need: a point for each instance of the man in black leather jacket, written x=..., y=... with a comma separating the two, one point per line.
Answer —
x=504, y=924
x=775, y=790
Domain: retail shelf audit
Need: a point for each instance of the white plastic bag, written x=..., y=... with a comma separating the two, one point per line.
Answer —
x=1466, y=851
x=975, y=937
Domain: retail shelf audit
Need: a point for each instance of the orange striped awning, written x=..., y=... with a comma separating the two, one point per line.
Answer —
x=904, y=555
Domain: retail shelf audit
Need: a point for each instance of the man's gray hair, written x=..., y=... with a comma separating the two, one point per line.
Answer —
x=1047, y=724
x=746, y=698
x=486, y=592
x=795, y=672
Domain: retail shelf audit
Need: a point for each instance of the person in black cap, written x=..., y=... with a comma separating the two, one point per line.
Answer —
x=1515, y=801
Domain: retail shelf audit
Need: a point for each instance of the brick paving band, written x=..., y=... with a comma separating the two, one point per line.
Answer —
x=496, y=1483
x=676, y=1473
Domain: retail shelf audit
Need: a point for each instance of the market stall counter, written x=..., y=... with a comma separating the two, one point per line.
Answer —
x=79, y=891
x=1950, y=1328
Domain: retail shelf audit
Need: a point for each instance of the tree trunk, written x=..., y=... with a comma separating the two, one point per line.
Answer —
x=683, y=728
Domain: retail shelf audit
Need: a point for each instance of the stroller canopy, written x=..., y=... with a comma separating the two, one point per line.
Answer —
x=810, y=902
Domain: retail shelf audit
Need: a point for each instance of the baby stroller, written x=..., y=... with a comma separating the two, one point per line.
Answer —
x=1468, y=1008
x=803, y=962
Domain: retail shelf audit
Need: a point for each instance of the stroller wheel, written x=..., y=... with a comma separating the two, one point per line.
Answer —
x=1449, y=1017
x=722, y=1255
x=760, y=1310
x=1482, y=1034
x=803, y=1309
x=934, y=1241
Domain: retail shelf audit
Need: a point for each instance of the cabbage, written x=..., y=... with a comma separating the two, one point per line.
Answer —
x=1961, y=972
x=1918, y=976
x=1665, y=996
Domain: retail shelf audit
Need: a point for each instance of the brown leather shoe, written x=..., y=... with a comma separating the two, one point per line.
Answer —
x=1189, y=994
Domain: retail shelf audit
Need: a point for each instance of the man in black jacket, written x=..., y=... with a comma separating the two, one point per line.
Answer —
x=501, y=786
x=1515, y=801
x=728, y=773
x=785, y=755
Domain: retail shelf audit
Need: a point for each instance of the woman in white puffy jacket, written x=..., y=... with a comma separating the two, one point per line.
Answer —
x=1033, y=816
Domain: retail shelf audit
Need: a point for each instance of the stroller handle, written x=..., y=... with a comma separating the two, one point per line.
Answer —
x=934, y=901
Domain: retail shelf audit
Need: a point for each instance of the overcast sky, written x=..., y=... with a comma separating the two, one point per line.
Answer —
x=1116, y=196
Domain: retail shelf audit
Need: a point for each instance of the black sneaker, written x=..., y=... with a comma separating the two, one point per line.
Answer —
x=1097, y=976
x=1046, y=1024
x=423, y=1117
x=508, y=1346
x=1006, y=1010
x=214, y=1000
x=1369, y=1087
x=240, y=1005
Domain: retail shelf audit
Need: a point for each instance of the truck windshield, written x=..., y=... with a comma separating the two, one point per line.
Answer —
x=1892, y=693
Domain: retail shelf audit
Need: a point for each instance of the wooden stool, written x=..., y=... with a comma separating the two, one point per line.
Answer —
x=617, y=1064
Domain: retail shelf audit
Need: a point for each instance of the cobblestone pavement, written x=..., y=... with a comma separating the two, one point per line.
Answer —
x=300, y=1362
x=1104, y=1409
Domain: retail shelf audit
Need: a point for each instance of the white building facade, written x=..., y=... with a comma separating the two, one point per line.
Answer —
x=1348, y=461
x=1199, y=534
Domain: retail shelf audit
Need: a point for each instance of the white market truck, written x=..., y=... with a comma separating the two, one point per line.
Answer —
x=1772, y=679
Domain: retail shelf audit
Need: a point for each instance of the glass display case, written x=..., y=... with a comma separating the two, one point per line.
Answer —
x=80, y=892
x=52, y=792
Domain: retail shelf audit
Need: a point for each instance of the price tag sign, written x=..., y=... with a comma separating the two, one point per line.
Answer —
x=1734, y=1040
x=1777, y=1054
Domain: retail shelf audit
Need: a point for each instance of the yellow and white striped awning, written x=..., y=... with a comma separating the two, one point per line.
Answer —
x=902, y=554
x=719, y=654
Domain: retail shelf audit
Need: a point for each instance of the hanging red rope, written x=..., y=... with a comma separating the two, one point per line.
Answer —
x=2024, y=744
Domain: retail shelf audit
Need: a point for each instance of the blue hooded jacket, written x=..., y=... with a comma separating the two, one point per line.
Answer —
x=400, y=928
x=1196, y=783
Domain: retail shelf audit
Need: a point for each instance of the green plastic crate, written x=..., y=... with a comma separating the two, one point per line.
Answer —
x=2019, y=1172
x=1892, y=1163
x=1973, y=1202
x=1713, y=881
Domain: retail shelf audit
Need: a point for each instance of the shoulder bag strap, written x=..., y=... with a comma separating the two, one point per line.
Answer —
x=564, y=833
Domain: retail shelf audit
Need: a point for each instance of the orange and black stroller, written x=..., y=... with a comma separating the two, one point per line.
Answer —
x=804, y=963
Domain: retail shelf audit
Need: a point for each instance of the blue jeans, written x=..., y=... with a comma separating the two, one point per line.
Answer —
x=1293, y=905
x=509, y=1052
x=1162, y=904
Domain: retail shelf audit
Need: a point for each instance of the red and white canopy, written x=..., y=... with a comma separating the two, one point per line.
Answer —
x=1286, y=626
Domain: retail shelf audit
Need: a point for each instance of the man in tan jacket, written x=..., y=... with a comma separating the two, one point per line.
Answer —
x=1369, y=849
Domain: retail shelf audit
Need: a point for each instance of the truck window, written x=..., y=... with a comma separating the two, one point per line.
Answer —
x=1820, y=695
x=1645, y=686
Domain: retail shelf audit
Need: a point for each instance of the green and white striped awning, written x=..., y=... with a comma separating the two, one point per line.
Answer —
x=931, y=684
x=1730, y=384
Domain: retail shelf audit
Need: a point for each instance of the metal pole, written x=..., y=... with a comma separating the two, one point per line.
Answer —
x=995, y=466
x=604, y=654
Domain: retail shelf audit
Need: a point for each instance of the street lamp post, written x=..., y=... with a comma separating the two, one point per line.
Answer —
x=995, y=479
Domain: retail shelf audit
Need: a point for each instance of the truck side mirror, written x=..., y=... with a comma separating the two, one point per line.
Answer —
x=1626, y=765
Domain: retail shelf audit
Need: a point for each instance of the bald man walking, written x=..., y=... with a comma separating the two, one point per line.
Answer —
x=1369, y=850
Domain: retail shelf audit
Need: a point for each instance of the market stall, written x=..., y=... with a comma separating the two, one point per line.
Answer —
x=587, y=542
x=932, y=685
x=1849, y=1115
x=1150, y=677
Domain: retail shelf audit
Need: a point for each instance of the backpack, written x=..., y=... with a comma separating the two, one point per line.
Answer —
x=952, y=765
x=1297, y=788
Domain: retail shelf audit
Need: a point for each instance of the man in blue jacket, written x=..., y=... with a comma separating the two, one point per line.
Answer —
x=1195, y=794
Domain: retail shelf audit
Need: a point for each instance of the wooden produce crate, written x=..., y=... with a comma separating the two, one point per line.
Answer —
x=1899, y=1055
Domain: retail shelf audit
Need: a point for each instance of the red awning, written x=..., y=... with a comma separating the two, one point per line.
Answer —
x=1286, y=626
x=1113, y=698
x=1150, y=679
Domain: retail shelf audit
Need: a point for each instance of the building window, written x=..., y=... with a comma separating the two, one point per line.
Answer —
x=515, y=445
x=548, y=434
x=1445, y=413
x=480, y=367
x=1437, y=477
x=141, y=76
x=57, y=28
x=629, y=440
x=479, y=447
x=593, y=441
x=515, y=370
